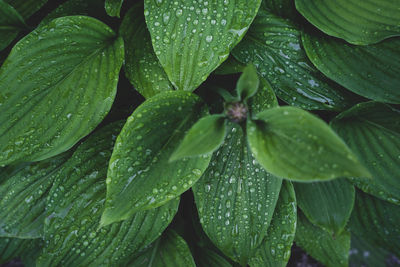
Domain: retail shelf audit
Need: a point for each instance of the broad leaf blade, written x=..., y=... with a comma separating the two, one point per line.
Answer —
x=370, y=71
x=11, y=23
x=275, y=248
x=142, y=67
x=372, y=131
x=192, y=38
x=55, y=98
x=264, y=98
x=359, y=23
x=140, y=175
x=75, y=205
x=248, y=82
x=236, y=198
x=363, y=253
x=230, y=66
x=326, y=204
x=113, y=7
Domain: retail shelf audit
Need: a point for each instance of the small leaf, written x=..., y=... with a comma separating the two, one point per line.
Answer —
x=205, y=136
x=113, y=7
x=291, y=143
x=11, y=23
x=192, y=38
x=276, y=246
x=330, y=251
x=140, y=175
x=142, y=67
x=55, y=98
x=236, y=198
x=264, y=98
x=359, y=23
x=326, y=204
x=248, y=82
x=26, y=7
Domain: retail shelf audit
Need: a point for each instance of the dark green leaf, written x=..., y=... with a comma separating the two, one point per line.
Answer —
x=331, y=251
x=142, y=67
x=56, y=85
x=26, y=7
x=236, y=198
x=370, y=71
x=11, y=23
x=358, y=22
x=273, y=45
x=208, y=258
x=363, y=253
x=281, y=8
x=170, y=250
x=205, y=136
x=292, y=143
x=264, y=98
x=140, y=175
x=326, y=204
x=75, y=205
x=372, y=130
x=23, y=191
x=248, y=82
x=113, y=7
x=275, y=248
x=230, y=66
x=27, y=249
x=192, y=38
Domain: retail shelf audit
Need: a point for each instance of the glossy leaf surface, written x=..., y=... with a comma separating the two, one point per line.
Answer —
x=248, y=82
x=192, y=38
x=11, y=22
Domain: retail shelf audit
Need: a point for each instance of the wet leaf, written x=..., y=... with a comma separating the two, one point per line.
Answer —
x=264, y=98
x=11, y=23
x=113, y=7
x=248, y=82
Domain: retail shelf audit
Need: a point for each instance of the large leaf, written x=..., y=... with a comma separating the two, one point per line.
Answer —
x=26, y=7
x=113, y=7
x=282, y=8
x=236, y=198
x=291, y=143
x=170, y=250
x=191, y=38
x=140, y=175
x=208, y=258
x=75, y=205
x=358, y=22
x=11, y=23
x=142, y=67
x=273, y=44
x=363, y=253
x=376, y=221
x=372, y=130
x=326, y=204
x=331, y=251
x=56, y=85
x=23, y=191
x=275, y=248
x=370, y=71
x=26, y=249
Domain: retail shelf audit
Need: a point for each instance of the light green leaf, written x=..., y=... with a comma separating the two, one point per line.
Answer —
x=205, y=136
x=236, y=198
x=192, y=38
x=11, y=23
x=140, y=175
x=170, y=250
x=24, y=190
x=26, y=7
x=273, y=45
x=275, y=248
x=56, y=86
x=26, y=249
x=230, y=66
x=358, y=22
x=377, y=222
x=372, y=131
x=370, y=71
x=292, y=143
x=264, y=98
x=113, y=7
x=330, y=251
x=142, y=67
x=75, y=205
x=326, y=204
x=248, y=82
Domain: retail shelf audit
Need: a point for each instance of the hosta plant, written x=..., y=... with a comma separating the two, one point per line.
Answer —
x=199, y=132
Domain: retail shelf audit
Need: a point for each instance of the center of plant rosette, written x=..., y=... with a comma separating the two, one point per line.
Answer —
x=236, y=112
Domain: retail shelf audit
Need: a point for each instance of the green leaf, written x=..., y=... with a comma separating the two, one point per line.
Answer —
x=142, y=67
x=248, y=82
x=26, y=249
x=205, y=136
x=230, y=66
x=370, y=71
x=24, y=190
x=330, y=251
x=281, y=8
x=192, y=38
x=273, y=45
x=140, y=175
x=291, y=143
x=113, y=7
x=357, y=22
x=208, y=258
x=11, y=23
x=264, y=98
x=236, y=198
x=363, y=253
x=26, y=7
x=275, y=248
x=326, y=204
x=57, y=85
x=372, y=131
x=377, y=222
x=75, y=205
x=170, y=250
